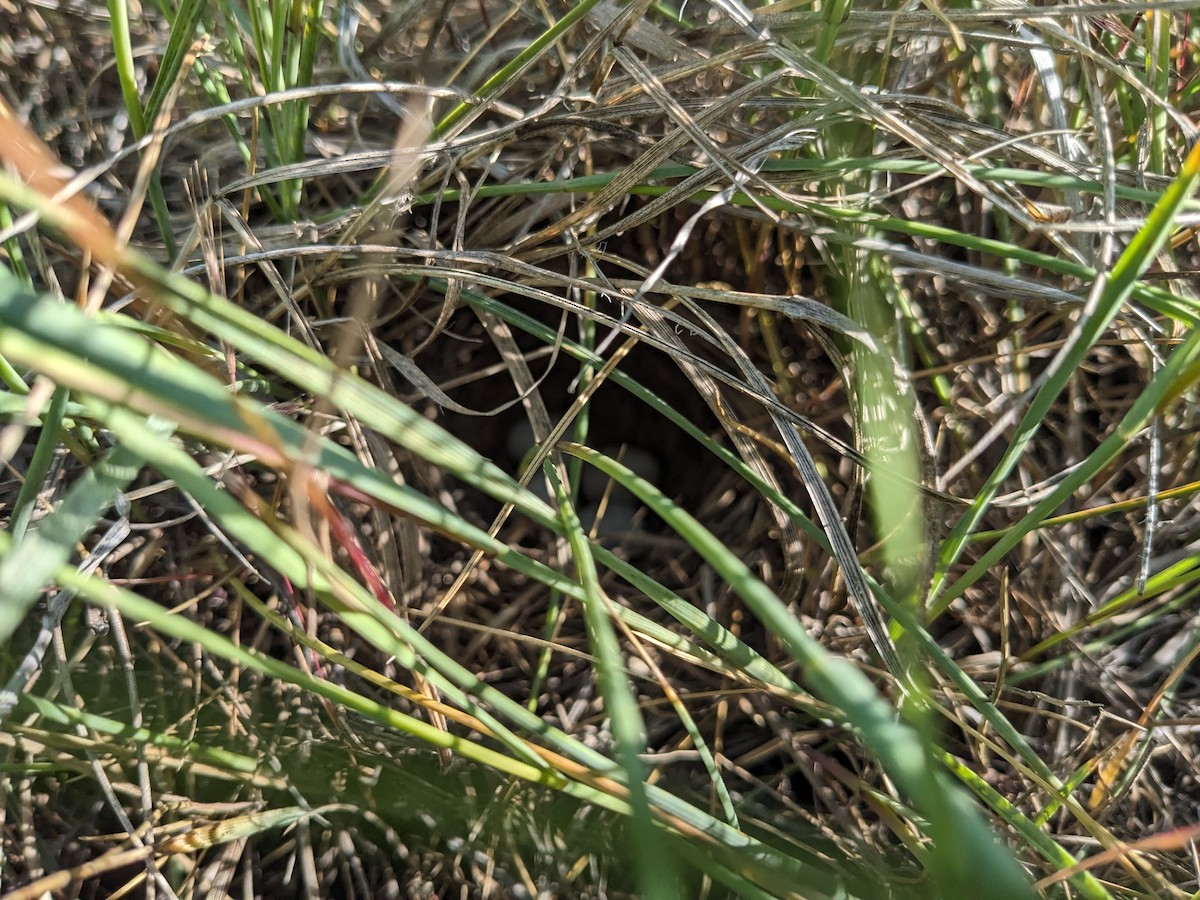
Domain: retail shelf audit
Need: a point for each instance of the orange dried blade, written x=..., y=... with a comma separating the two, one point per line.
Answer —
x=1108, y=773
x=37, y=166
x=1171, y=840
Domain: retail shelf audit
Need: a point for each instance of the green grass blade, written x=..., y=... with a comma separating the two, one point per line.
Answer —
x=1117, y=289
x=39, y=463
x=1178, y=375
x=496, y=84
x=649, y=851
x=118, y=15
x=901, y=751
x=184, y=23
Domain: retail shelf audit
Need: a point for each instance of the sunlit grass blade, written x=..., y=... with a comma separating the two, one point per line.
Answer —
x=655, y=873
x=899, y=748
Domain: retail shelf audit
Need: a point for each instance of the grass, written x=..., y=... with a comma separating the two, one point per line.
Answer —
x=575, y=450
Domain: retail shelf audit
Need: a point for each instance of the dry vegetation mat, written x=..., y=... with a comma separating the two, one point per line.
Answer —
x=497, y=448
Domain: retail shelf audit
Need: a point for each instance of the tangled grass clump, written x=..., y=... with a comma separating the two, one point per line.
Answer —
x=590, y=450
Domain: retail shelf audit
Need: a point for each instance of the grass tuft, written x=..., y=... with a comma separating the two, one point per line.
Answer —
x=579, y=449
